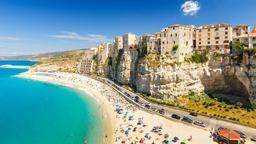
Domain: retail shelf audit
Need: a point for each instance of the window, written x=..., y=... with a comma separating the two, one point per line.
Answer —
x=216, y=29
x=176, y=34
x=217, y=42
x=226, y=37
x=208, y=38
x=226, y=41
x=209, y=30
x=171, y=35
x=217, y=38
x=174, y=42
x=199, y=42
x=226, y=28
x=208, y=42
x=226, y=33
x=186, y=43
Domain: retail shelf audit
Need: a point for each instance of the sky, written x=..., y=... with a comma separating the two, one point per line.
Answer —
x=39, y=26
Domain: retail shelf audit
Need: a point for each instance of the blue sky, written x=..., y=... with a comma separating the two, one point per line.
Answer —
x=37, y=26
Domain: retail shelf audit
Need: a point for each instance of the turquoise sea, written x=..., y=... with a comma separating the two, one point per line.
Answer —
x=33, y=112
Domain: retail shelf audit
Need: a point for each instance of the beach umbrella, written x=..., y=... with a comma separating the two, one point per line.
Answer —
x=166, y=135
x=168, y=139
x=142, y=140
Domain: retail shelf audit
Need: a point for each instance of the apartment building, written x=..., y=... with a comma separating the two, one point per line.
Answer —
x=154, y=44
x=86, y=64
x=246, y=37
x=177, y=40
x=118, y=42
x=214, y=37
x=129, y=41
x=239, y=30
x=106, y=52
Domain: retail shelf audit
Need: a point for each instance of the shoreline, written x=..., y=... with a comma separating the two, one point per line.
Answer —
x=124, y=127
x=105, y=111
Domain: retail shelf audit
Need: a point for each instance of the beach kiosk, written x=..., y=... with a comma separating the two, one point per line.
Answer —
x=227, y=136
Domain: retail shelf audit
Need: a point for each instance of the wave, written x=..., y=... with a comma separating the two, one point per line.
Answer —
x=15, y=66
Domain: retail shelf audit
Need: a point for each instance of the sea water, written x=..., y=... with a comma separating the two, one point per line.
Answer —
x=33, y=112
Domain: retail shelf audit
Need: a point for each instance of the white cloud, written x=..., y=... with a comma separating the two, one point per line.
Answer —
x=190, y=7
x=9, y=38
x=75, y=36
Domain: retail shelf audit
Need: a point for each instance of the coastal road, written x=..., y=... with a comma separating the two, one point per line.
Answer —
x=211, y=123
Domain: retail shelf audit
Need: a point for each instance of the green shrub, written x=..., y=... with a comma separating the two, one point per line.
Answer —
x=175, y=48
x=199, y=58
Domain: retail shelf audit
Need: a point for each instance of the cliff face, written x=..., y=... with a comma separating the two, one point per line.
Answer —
x=218, y=77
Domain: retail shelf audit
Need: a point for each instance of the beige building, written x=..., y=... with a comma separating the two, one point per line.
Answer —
x=241, y=30
x=129, y=41
x=247, y=38
x=86, y=64
x=118, y=43
x=154, y=44
x=177, y=40
x=214, y=37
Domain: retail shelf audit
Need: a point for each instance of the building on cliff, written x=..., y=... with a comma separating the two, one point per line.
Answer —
x=129, y=41
x=214, y=38
x=86, y=64
x=246, y=37
x=177, y=40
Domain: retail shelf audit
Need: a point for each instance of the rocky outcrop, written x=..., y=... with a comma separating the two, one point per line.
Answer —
x=218, y=77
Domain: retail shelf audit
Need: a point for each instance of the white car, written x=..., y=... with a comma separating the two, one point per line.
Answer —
x=199, y=123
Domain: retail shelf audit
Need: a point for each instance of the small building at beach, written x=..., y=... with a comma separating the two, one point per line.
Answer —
x=227, y=136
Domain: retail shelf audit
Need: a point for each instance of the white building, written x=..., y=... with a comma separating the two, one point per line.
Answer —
x=118, y=42
x=246, y=37
x=129, y=41
x=177, y=40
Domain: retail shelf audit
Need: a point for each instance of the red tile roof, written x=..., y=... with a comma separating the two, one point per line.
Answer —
x=229, y=134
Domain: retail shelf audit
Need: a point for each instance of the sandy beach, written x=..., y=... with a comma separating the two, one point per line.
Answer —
x=124, y=122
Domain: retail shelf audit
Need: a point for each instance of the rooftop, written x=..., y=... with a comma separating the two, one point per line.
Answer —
x=229, y=134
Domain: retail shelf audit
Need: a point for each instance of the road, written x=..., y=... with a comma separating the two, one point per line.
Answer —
x=168, y=111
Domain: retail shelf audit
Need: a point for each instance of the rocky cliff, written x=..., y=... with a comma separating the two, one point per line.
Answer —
x=218, y=77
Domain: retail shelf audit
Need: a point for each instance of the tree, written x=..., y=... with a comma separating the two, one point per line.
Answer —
x=237, y=48
x=239, y=104
x=175, y=48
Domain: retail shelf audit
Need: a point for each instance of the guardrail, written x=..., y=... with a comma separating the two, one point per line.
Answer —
x=137, y=104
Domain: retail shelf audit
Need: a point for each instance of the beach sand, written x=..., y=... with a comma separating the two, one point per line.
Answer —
x=123, y=127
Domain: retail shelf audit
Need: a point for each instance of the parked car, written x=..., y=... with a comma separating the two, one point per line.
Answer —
x=186, y=119
x=175, y=116
x=153, y=109
x=161, y=111
x=175, y=139
x=199, y=123
x=147, y=106
x=136, y=99
x=193, y=114
x=242, y=135
x=253, y=138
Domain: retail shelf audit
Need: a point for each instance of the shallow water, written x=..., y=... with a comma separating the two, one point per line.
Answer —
x=33, y=112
